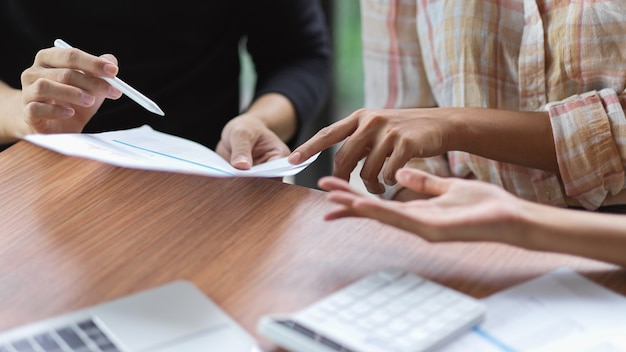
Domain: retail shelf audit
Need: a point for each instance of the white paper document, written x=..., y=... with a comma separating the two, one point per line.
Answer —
x=145, y=148
x=560, y=311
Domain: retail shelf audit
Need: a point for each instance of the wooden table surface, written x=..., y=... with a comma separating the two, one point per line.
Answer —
x=76, y=232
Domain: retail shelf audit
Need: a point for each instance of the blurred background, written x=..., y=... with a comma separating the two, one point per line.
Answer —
x=344, y=21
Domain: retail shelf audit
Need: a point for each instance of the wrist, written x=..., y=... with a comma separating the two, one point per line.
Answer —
x=535, y=228
x=13, y=126
x=458, y=129
x=276, y=112
x=525, y=220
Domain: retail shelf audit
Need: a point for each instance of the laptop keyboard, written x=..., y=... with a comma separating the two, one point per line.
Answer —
x=84, y=336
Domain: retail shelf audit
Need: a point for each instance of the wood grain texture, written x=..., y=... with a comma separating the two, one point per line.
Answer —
x=76, y=232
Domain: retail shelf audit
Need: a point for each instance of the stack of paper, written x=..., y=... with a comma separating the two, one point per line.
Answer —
x=145, y=148
x=560, y=311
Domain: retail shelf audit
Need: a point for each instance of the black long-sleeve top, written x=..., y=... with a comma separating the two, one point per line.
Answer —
x=182, y=54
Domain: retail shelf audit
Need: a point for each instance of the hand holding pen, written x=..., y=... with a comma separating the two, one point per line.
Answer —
x=123, y=87
x=65, y=87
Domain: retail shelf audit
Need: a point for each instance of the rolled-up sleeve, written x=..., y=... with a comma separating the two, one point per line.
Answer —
x=590, y=138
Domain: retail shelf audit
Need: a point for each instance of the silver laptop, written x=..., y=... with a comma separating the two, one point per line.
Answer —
x=173, y=317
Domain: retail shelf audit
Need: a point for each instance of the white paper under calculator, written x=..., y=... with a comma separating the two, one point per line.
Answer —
x=560, y=311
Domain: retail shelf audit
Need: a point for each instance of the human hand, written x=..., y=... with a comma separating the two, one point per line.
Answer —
x=460, y=210
x=62, y=90
x=386, y=138
x=247, y=141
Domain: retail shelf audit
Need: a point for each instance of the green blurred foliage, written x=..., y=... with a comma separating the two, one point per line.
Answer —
x=348, y=64
x=348, y=60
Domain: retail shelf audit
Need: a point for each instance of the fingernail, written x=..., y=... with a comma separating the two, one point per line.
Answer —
x=295, y=158
x=402, y=176
x=114, y=92
x=110, y=69
x=87, y=99
x=67, y=111
x=242, y=163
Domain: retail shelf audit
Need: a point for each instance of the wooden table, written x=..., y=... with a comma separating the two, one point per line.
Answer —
x=76, y=232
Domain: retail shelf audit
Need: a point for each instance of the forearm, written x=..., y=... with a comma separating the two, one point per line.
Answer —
x=582, y=233
x=292, y=55
x=522, y=138
x=277, y=113
x=12, y=126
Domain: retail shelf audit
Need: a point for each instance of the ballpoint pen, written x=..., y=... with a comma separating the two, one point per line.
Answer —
x=123, y=87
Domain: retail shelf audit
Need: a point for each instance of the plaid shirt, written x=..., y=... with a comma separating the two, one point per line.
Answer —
x=564, y=56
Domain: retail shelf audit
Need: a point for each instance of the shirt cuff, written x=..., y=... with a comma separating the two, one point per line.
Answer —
x=587, y=152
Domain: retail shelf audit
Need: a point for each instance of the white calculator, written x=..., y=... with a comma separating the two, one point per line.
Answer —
x=390, y=310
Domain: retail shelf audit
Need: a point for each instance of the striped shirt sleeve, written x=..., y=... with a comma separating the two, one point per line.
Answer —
x=590, y=139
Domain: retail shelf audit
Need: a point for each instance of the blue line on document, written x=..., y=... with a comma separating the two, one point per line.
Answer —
x=173, y=157
x=482, y=333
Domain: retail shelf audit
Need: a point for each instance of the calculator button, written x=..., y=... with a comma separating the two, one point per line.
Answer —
x=391, y=310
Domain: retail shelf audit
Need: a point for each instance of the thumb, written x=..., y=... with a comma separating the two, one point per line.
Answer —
x=422, y=182
x=241, y=154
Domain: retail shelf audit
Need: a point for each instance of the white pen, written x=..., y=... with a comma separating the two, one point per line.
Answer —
x=123, y=86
